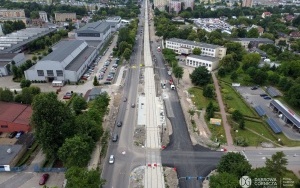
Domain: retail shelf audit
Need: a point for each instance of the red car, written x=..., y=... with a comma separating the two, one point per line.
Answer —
x=44, y=179
x=68, y=95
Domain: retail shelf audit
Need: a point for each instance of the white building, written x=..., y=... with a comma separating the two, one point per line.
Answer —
x=188, y=4
x=67, y=62
x=99, y=31
x=6, y=61
x=115, y=23
x=181, y=46
x=160, y=4
x=175, y=6
x=43, y=16
x=211, y=63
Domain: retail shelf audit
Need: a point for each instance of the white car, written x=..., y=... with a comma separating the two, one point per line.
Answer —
x=111, y=159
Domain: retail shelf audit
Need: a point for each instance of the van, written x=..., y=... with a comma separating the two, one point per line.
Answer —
x=115, y=137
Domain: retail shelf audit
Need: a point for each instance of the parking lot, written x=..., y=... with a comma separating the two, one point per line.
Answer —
x=253, y=98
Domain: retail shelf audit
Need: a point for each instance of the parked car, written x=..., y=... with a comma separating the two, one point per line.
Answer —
x=12, y=134
x=267, y=98
x=119, y=124
x=115, y=137
x=254, y=88
x=111, y=159
x=44, y=179
x=132, y=105
x=263, y=95
x=125, y=99
x=68, y=95
x=109, y=79
x=19, y=134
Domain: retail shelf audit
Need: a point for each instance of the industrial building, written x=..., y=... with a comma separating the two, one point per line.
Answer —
x=114, y=22
x=67, y=63
x=17, y=41
x=6, y=60
x=186, y=47
x=96, y=31
x=211, y=63
x=253, y=42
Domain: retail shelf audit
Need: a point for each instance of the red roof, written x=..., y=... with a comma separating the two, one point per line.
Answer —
x=14, y=112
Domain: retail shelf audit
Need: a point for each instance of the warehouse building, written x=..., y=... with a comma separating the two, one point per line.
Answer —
x=97, y=31
x=68, y=61
x=6, y=60
x=186, y=47
x=211, y=63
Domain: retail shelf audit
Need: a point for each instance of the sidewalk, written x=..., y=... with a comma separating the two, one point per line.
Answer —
x=222, y=111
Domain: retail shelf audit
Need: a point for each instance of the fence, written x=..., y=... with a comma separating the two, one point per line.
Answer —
x=18, y=169
x=39, y=169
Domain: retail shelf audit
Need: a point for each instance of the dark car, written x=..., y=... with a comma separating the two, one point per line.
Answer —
x=119, y=124
x=12, y=134
x=125, y=99
x=44, y=179
x=132, y=105
x=263, y=95
x=254, y=88
x=267, y=98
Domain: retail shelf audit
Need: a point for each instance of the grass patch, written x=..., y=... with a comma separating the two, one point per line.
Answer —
x=233, y=101
x=217, y=132
x=199, y=100
x=104, y=143
x=286, y=141
x=248, y=137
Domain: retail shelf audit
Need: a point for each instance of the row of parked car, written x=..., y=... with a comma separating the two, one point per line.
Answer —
x=15, y=134
x=111, y=73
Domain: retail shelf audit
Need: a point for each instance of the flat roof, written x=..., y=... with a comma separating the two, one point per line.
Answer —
x=7, y=56
x=63, y=50
x=5, y=157
x=99, y=26
x=207, y=58
x=287, y=112
x=80, y=59
x=189, y=42
x=254, y=39
x=15, y=112
x=93, y=43
x=3, y=63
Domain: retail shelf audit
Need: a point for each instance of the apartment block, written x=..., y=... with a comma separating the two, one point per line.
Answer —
x=181, y=46
x=62, y=17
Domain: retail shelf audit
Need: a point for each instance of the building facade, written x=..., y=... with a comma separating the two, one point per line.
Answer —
x=188, y=4
x=12, y=15
x=247, y=3
x=211, y=63
x=98, y=31
x=175, y=6
x=43, y=16
x=67, y=63
x=62, y=17
x=14, y=117
x=114, y=22
x=181, y=46
x=160, y=4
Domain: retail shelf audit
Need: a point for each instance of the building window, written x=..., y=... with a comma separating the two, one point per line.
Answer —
x=50, y=73
x=40, y=72
x=59, y=73
x=4, y=126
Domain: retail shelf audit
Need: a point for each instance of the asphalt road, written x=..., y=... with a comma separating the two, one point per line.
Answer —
x=117, y=174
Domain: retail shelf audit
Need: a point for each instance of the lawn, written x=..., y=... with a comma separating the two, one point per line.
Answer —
x=217, y=132
x=199, y=100
x=260, y=129
x=234, y=102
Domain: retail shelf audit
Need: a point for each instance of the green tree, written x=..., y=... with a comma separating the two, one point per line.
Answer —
x=293, y=95
x=277, y=164
x=229, y=63
x=222, y=72
x=6, y=95
x=127, y=54
x=197, y=51
x=76, y=151
x=178, y=72
x=25, y=83
x=252, y=33
x=95, y=82
x=50, y=50
x=84, y=124
x=53, y=122
x=192, y=113
x=208, y=91
x=235, y=164
x=34, y=58
x=250, y=60
x=234, y=76
x=81, y=177
x=237, y=115
x=224, y=180
x=210, y=110
x=200, y=76
x=78, y=104
x=242, y=124
x=273, y=78
x=259, y=172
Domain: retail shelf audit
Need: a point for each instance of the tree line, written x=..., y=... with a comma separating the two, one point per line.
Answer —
x=69, y=134
x=11, y=26
x=233, y=166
